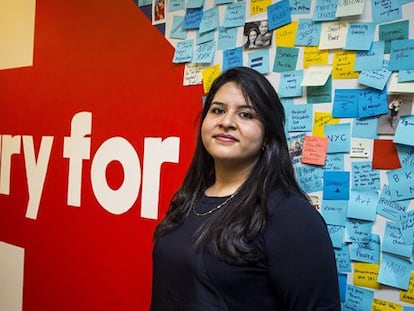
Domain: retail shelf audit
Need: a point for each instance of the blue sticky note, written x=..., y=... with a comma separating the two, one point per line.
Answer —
x=334, y=211
x=406, y=155
x=320, y=94
x=393, y=241
x=358, y=230
x=177, y=31
x=364, y=177
x=227, y=38
x=339, y=136
x=204, y=37
x=192, y=18
x=193, y=4
x=372, y=102
x=393, y=31
x=309, y=178
x=365, y=128
x=278, y=14
x=405, y=76
x=335, y=185
x=358, y=298
x=394, y=271
x=183, y=52
x=363, y=205
x=406, y=223
x=334, y=162
x=371, y=59
x=300, y=118
x=308, y=33
x=204, y=53
x=325, y=10
x=290, y=84
x=144, y=2
x=235, y=15
x=285, y=59
x=336, y=233
x=367, y=252
x=405, y=308
x=345, y=104
x=232, y=58
x=386, y=12
x=404, y=132
x=343, y=259
x=375, y=78
x=359, y=36
x=210, y=20
x=389, y=208
x=259, y=60
x=342, y=278
x=401, y=183
x=402, y=55
x=300, y=6
x=176, y=5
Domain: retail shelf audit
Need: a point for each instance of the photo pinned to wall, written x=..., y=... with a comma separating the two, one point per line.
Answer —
x=257, y=35
x=295, y=145
x=158, y=11
x=398, y=105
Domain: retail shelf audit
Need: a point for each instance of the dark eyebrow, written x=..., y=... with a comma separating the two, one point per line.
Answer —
x=240, y=107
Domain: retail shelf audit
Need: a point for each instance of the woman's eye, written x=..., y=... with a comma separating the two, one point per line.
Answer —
x=217, y=110
x=246, y=115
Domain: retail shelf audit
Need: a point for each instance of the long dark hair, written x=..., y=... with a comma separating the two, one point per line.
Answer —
x=228, y=232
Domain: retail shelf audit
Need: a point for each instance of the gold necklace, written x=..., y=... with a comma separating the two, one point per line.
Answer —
x=213, y=209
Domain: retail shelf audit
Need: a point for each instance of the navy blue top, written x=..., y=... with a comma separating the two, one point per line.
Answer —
x=296, y=269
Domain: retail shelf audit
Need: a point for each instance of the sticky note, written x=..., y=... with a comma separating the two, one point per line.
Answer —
x=259, y=60
x=366, y=275
x=192, y=74
x=320, y=94
x=308, y=32
x=209, y=74
x=204, y=53
x=360, y=148
x=285, y=59
x=316, y=75
x=372, y=102
x=177, y=31
x=391, y=209
x=347, y=8
x=290, y=84
x=334, y=211
x=300, y=118
x=363, y=204
x=259, y=6
x=358, y=230
x=334, y=162
x=339, y=136
x=333, y=35
x=343, y=65
x=404, y=131
x=406, y=155
x=393, y=241
x=175, y=5
x=402, y=54
x=232, y=58
x=368, y=252
x=394, y=271
x=192, y=18
x=210, y=20
x=385, y=13
x=393, y=31
x=309, y=178
x=278, y=14
x=371, y=59
x=345, y=103
x=406, y=223
x=408, y=295
x=183, y=52
x=314, y=150
x=358, y=298
x=343, y=259
x=227, y=38
x=335, y=185
x=314, y=56
x=375, y=78
x=235, y=15
x=285, y=35
x=384, y=305
x=320, y=120
x=336, y=233
x=385, y=155
x=359, y=36
x=401, y=183
x=365, y=128
x=364, y=177
x=325, y=10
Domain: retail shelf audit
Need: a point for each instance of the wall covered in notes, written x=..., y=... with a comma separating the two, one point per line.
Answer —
x=345, y=73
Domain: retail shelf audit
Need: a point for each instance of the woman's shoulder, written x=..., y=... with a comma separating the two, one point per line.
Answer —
x=289, y=203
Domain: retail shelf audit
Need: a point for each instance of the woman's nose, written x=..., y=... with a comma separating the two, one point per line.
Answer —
x=228, y=120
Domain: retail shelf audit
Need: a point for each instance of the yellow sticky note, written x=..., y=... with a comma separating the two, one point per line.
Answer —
x=366, y=275
x=209, y=75
x=313, y=56
x=408, y=295
x=384, y=305
x=285, y=36
x=16, y=33
x=320, y=120
x=343, y=65
x=259, y=6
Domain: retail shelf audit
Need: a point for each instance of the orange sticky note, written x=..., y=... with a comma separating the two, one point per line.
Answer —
x=385, y=156
x=314, y=150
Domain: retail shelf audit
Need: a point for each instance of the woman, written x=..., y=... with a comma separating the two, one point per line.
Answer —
x=239, y=233
x=265, y=36
x=251, y=38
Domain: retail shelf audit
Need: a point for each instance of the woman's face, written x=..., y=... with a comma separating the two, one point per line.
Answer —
x=252, y=36
x=263, y=27
x=231, y=131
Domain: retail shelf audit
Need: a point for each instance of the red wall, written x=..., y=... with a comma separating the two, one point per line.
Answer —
x=102, y=57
